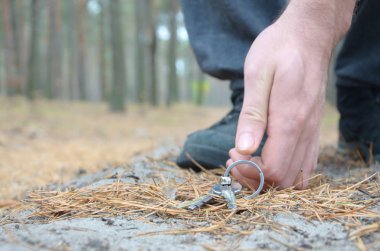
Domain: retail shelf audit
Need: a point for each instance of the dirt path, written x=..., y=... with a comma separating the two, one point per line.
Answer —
x=292, y=232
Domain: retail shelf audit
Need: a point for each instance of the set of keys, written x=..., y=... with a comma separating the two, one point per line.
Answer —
x=226, y=188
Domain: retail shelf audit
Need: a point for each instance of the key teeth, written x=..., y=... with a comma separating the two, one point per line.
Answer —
x=192, y=208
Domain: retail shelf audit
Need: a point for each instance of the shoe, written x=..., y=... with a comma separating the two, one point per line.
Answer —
x=359, y=124
x=210, y=147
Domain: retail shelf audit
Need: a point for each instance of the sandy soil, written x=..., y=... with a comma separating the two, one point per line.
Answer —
x=54, y=141
x=120, y=233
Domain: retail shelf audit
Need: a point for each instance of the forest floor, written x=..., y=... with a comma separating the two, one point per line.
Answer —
x=71, y=147
x=52, y=142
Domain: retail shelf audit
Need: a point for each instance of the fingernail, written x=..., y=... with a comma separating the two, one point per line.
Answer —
x=245, y=142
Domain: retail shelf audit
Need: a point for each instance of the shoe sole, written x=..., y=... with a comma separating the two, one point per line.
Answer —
x=356, y=150
x=207, y=157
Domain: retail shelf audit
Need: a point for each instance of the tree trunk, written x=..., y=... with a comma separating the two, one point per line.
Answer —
x=102, y=54
x=201, y=88
x=12, y=80
x=18, y=38
x=151, y=29
x=81, y=49
x=34, y=53
x=72, y=33
x=117, y=102
x=172, y=54
x=23, y=43
x=140, y=50
x=54, y=50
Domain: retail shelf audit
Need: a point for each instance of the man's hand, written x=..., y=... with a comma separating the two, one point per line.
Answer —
x=285, y=77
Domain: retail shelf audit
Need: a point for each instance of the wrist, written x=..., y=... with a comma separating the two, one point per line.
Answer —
x=324, y=20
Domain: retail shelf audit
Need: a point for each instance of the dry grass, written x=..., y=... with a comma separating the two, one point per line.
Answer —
x=340, y=200
x=52, y=141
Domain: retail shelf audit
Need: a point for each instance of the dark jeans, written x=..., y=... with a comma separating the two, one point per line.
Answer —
x=222, y=31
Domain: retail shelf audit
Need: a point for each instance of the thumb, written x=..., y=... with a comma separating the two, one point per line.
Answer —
x=254, y=114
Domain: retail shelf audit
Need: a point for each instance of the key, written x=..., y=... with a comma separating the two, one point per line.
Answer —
x=228, y=190
x=216, y=190
x=198, y=202
x=205, y=199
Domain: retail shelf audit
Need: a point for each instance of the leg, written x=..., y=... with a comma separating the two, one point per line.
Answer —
x=358, y=72
x=221, y=33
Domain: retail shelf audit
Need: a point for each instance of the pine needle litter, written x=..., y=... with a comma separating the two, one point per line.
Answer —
x=347, y=200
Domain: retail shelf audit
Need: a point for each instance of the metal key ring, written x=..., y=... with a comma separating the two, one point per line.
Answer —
x=253, y=164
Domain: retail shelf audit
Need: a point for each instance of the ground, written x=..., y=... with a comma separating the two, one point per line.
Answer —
x=54, y=141
x=80, y=150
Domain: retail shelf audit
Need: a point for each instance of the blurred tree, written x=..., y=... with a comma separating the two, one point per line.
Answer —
x=17, y=31
x=140, y=21
x=172, y=54
x=80, y=18
x=151, y=11
x=13, y=83
x=34, y=52
x=21, y=7
x=202, y=85
x=49, y=49
x=102, y=51
x=54, y=52
x=117, y=99
x=72, y=49
x=146, y=43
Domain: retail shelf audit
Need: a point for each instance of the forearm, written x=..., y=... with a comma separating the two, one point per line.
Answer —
x=322, y=19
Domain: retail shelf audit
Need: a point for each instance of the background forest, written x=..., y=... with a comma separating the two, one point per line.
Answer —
x=117, y=51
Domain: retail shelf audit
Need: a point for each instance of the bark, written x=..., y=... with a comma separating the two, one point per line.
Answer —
x=151, y=15
x=117, y=100
x=72, y=33
x=54, y=50
x=81, y=49
x=16, y=32
x=13, y=82
x=201, y=88
x=172, y=54
x=23, y=41
x=140, y=21
x=34, y=53
x=102, y=54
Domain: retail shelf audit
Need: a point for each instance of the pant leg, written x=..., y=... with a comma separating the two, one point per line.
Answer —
x=222, y=31
x=358, y=62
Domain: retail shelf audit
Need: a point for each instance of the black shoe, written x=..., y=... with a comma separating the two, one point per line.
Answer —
x=210, y=147
x=359, y=123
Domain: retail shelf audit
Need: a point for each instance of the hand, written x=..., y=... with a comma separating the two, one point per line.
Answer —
x=285, y=81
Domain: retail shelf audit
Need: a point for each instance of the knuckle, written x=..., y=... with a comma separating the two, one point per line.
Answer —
x=285, y=184
x=254, y=114
x=300, y=118
x=314, y=124
x=250, y=71
x=277, y=176
x=295, y=123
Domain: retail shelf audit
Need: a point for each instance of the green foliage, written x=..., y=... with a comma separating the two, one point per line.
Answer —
x=200, y=89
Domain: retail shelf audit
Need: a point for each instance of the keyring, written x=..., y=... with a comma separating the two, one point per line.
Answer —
x=253, y=164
